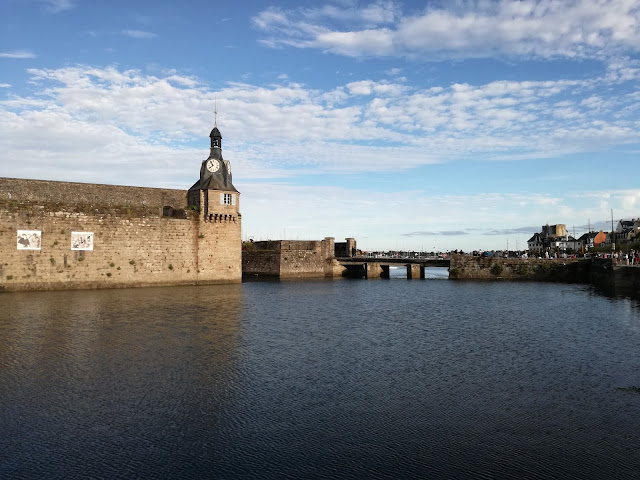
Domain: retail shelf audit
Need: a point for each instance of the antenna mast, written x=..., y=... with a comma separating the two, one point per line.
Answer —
x=613, y=235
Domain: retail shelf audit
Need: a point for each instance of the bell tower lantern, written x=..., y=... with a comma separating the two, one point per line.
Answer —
x=216, y=141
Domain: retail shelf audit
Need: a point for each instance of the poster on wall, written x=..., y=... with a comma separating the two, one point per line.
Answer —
x=81, y=240
x=29, y=239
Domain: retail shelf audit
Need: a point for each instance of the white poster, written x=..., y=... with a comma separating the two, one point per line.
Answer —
x=81, y=240
x=29, y=239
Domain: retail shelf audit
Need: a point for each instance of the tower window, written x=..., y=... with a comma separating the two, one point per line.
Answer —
x=227, y=199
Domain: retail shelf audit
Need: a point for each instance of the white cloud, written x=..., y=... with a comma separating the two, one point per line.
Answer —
x=294, y=129
x=270, y=19
x=538, y=28
x=139, y=34
x=427, y=221
x=368, y=87
x=380, y=12
x=17, y=54
x=56, y=6
x=124, y=126
x=630, y=201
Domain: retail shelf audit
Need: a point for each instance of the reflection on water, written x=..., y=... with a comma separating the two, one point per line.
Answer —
x=320, y=379
x=100, y=381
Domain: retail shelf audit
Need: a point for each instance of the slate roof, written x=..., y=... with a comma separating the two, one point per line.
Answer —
x=587, y=236
x=535, y=239
x=214, y=182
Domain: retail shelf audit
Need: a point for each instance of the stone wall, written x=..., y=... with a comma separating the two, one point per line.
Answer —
x=615, y=279
x=84, y=196
x=345, y=249
x=302, y=259
x=566, y=269
x=219, y=253
x=627, y=280
x=261, y=262
x=133, y=244
x=291, y=259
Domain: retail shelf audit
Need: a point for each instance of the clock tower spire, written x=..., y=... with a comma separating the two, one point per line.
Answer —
x=216, y=137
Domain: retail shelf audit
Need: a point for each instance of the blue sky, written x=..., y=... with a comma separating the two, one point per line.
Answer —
x=408, y=125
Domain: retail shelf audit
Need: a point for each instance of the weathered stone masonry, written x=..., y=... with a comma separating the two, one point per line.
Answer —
x=291, y=259
x=134, y=244
x=468, y=267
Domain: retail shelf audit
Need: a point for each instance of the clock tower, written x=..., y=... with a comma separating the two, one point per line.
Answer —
x=215, y=175
x=218, y=235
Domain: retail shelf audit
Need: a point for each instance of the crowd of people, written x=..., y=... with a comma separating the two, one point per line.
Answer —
x=631, y=257
x=627, y=258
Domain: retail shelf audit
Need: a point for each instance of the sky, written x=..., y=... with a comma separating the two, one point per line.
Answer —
x=408, y=125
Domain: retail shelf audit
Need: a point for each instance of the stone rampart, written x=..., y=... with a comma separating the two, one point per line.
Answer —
x=83, y=195
x=345, y=249
x=615, y=279
x=290, y=259
x=261, y=262
x=627, y=280
x=305, y=261
x=562, y=269
x=133, y=243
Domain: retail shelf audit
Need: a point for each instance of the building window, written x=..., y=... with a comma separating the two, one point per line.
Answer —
x=227, y=199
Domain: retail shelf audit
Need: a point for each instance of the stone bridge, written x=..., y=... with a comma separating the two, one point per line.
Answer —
x=378, y=267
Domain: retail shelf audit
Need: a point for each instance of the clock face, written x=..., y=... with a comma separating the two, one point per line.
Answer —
x=213, y=165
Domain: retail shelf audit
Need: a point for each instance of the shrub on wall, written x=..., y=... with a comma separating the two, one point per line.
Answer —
x=497, y=269
x=544, y=267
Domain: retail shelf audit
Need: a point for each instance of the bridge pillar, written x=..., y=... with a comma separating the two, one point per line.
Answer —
x=375, y=270
x=415, y=271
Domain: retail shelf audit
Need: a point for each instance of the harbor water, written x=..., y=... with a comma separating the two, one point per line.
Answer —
x=343, y=379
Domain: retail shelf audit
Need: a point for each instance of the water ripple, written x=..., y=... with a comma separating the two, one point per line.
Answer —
x=320, y=379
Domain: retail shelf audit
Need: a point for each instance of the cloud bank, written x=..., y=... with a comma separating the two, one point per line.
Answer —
x=108, y=125
x=459, y=29
x=292, y=128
